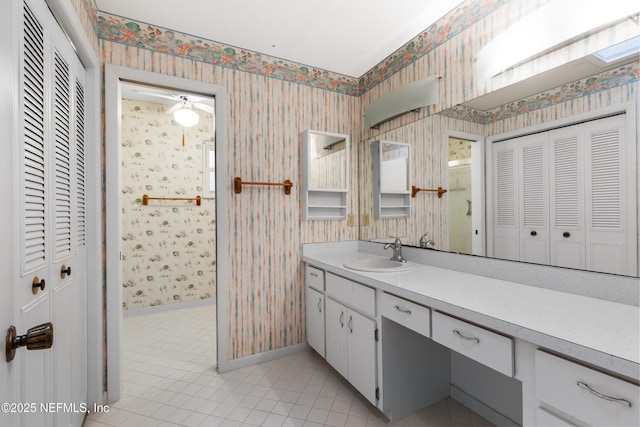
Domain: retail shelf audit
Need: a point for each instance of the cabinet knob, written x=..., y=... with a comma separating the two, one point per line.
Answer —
x=566, y=234
x=534, y=233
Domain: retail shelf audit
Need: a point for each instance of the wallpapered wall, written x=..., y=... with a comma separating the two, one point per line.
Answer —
x=168, y=247
x=271, y=101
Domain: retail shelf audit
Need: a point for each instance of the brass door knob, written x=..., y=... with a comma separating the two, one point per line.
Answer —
x=37, y=338
x=37, y=284
x=65, y=271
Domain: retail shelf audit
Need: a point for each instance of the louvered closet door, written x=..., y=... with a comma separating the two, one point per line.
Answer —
x=566, y=163
x=67, y=230
x=610, y=198
x=533, y=202
x=34, y=366
x=505, y=200
x=52, y=177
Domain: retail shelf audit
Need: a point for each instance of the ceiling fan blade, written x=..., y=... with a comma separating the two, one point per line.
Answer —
x=175, y=108
x=158, y=95
x=204, y=107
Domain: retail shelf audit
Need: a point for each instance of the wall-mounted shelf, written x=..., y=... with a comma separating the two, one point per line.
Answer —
x=325, y=177
x=391, y=179
x=326, y=204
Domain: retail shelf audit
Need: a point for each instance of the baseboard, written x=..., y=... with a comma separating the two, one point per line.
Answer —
x=243, y=362
x=480, y=408
x=154, y=309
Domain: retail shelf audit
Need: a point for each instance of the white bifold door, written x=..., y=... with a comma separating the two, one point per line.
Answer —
x=48, y=277
x=568, y=197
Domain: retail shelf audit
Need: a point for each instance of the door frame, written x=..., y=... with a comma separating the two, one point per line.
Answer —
x=71, y=24
x=114, y=75
x=478, y=222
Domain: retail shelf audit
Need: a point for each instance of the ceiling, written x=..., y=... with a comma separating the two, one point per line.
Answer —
x=347, y=37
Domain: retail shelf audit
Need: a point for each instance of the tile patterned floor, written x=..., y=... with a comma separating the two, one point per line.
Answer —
x=170, y=380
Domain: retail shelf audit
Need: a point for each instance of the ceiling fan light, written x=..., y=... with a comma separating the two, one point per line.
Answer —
x=186, y=117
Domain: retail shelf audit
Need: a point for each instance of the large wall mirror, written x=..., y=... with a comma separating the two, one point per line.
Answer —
x=325, y=175
x=525, y=202
x=433, y=147
x=438, y=159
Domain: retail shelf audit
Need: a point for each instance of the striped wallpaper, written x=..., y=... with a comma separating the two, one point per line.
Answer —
x=267, y=112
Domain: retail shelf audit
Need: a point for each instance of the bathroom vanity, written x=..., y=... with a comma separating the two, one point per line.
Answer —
x=515, y=353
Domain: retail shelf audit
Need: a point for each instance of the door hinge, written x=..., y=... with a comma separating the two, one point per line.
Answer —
x=377, y=393
x=376, y=335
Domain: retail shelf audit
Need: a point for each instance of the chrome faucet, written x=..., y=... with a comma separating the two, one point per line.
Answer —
x=397, y=250
x=426, y=243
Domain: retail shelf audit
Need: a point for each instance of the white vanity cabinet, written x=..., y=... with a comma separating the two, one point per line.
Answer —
x=483, y=346
x=587, y=396
x=315, y=320
x=350, y=333
x=314, y=293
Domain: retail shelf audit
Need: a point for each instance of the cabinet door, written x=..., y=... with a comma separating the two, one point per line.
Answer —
x=315, y=320
x=336, y=336
x=361, y=354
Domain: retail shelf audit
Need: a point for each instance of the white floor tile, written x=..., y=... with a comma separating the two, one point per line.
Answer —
x=170, y=381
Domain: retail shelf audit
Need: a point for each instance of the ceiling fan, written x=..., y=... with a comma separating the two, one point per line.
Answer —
x=184, y=105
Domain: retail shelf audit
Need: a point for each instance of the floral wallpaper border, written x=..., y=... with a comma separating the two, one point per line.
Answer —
x=620, y=76
x=142, y=35
x=139, y=34
x=452, y=24
x=126, y=31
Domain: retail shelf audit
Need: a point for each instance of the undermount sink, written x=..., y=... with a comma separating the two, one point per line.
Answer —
x=380, y=265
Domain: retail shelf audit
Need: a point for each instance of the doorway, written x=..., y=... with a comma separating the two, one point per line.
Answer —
x=189, y=272
x=168, y=210
x=465, y=211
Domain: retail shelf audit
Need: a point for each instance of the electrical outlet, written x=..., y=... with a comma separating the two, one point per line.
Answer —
x=365, y=220
x=351, y=220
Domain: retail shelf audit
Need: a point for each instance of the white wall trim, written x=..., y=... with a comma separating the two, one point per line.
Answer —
x=267, y=356
x=165, y=308
x=480, y=408
x=72, y=26
x=113, y=76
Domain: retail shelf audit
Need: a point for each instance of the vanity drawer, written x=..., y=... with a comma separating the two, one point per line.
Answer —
x=483, y=346
x=360, y=297
x=408, y=314
x=314, y=278
x=564, y=385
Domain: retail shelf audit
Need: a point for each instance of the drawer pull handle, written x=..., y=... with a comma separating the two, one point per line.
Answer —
x=319, y=307
x=313, y=274
x=402, y=310
x=459, y=335
x=604, y=396
x=341, y=319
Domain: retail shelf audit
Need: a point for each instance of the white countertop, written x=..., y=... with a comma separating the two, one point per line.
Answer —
x=603, y=333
